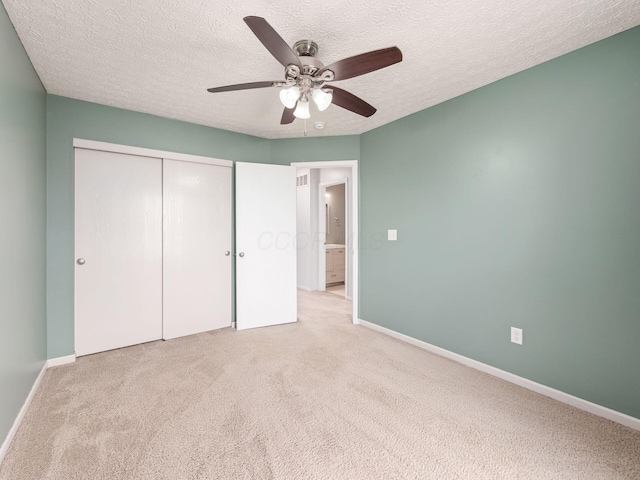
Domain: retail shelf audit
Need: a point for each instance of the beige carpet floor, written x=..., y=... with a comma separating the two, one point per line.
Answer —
x=337, y=290
x=319, y=399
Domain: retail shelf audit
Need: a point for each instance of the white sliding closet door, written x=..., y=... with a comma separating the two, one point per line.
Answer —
x=266, y=287
x=197, y=246
x=118, y=249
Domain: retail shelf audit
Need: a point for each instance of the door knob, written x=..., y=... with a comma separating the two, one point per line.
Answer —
x=80, y=261
x=241, y=254
x=227, y=253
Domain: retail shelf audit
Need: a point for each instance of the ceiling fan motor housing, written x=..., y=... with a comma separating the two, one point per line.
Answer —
x=306, y=51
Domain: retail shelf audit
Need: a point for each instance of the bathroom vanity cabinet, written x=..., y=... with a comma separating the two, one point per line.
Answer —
x=335, y=263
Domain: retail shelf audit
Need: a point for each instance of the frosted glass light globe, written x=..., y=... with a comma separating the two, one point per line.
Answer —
x=323, y=98
x=289, y=96
x=302, y=110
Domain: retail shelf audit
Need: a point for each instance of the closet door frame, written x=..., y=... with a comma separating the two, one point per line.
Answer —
x=146, y=152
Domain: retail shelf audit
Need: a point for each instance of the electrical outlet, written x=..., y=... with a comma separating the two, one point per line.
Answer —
x=392, y=235
x=516, y=335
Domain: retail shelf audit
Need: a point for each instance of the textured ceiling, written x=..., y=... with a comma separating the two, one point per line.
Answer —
x=160, y=56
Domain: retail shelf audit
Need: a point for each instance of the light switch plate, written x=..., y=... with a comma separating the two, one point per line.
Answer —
x=392, y=235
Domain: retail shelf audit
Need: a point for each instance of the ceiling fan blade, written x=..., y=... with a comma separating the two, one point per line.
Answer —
x=349, y=101
x=241, y=86
x=272, y=41
x=364, y=63
x=287, y=116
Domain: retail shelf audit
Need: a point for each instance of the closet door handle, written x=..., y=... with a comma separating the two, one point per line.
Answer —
x=227, y=253
x=81, y=261
x=241, y=254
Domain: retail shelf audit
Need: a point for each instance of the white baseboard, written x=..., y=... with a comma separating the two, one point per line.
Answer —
x=563, y=397
x=16, y=424
x=306, y=289
x=56, y=362
x=52, y=362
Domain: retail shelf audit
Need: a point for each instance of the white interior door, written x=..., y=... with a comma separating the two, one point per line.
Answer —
x=265, y=244
x=197, y=247
x=118, y=248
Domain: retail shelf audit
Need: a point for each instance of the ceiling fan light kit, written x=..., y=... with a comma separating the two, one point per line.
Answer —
x=306, y=77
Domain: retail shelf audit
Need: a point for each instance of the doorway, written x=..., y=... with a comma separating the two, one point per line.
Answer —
x=326, y=237
x=336, y=235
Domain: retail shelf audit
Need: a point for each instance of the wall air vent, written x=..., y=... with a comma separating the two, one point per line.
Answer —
x=303, y=180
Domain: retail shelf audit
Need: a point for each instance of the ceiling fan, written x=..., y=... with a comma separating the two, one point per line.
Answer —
x=306, y=77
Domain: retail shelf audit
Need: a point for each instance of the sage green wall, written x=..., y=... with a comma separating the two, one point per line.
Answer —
x=517, y=205
x=22, y=221
x=66, y=119
x=315, y=149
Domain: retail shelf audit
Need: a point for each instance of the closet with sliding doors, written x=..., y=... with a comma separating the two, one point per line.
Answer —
x=152, y=245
